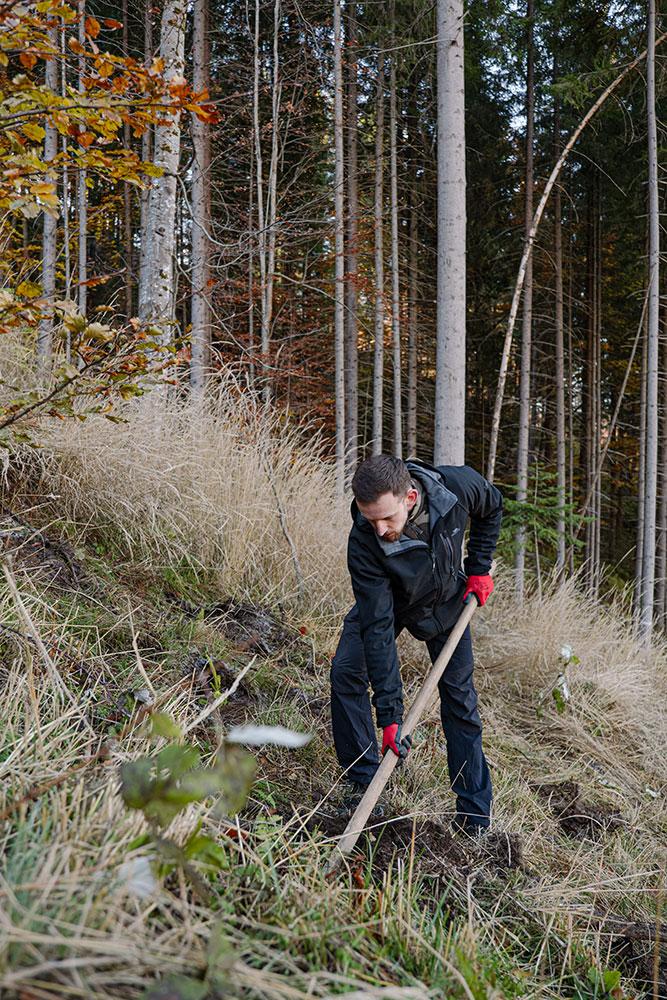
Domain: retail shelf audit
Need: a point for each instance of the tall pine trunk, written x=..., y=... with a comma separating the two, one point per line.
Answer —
x=450, y=396
x=652, y=339
x=561, y=479
x=378, y=352
x=201, y=207
x=339, y=215
x=395, y=267
x=351, y=250
x=527, y=321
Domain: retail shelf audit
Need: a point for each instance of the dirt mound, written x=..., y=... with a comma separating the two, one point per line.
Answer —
x=576, y=817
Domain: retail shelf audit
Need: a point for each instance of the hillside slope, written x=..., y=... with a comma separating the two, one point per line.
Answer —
x=147, y=566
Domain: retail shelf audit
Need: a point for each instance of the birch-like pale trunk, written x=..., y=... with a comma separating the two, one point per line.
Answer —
x=527, y=319
x=351, y=250
x=378, y=351
x=201, y=208
x=127, y=194
x=81, y=189
x=339, y=244
x=49, y=225
x=449, y=432
x=146, y=146
x=561, y=478
x=652, y=344
x=156, y=293
x=251, y=258
x=395, y=266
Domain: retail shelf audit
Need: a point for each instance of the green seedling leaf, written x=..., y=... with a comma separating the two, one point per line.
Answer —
x=207, y=851
x=163, y=725
x=221, y=957
x=237, y=772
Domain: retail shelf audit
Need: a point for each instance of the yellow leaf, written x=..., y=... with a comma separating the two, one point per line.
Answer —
x=29, y=290
x=33, y=131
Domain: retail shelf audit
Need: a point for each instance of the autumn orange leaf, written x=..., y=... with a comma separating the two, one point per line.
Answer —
x=111, y=22
x=92, y=26
x=76, y=46
x=28, y=59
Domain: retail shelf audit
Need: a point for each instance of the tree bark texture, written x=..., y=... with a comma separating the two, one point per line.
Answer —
x=449, y=432
x=156, y=294
x=527, y=319
x=351, y=250
x=49, y=227
x=378, y=219
x=201, y=207
x=339, y=242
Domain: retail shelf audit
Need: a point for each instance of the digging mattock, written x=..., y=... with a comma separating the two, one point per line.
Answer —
x=358, y=821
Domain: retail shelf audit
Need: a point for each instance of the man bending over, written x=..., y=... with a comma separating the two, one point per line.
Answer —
x=404, y=557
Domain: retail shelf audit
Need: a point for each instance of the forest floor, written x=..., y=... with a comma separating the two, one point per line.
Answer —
x=100, y=633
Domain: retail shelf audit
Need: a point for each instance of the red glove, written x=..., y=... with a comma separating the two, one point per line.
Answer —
x=391, y=740
x=481, y=587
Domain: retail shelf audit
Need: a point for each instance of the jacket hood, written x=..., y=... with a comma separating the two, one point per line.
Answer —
x=440, y=502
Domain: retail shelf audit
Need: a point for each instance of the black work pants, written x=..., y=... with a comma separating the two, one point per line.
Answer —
x=354, y=733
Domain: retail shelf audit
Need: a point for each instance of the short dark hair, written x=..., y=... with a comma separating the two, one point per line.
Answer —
x=378, y=475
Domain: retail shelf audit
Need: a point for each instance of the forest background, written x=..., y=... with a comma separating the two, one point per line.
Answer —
x=260, y=182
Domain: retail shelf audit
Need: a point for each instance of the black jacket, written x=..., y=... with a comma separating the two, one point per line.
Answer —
x=414, y=585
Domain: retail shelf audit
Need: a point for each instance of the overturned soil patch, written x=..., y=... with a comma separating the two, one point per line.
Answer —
x=437, y=851
x=576, y=817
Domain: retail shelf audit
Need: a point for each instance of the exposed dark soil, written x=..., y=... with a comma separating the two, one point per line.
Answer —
x=52, y=562
x=576, y=817
x=437, y=851
x=633, y=945
x=251, y=628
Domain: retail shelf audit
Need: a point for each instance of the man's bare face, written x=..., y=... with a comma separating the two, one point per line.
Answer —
x=389, y=514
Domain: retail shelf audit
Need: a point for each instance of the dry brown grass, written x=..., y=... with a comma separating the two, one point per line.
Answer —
x=174, y=490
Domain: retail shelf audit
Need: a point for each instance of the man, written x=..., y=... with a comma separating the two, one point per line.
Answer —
x=404, y=558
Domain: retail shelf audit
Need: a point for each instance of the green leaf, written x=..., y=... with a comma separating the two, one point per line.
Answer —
x=137, y=782
x=163, y=725
x=237, y=771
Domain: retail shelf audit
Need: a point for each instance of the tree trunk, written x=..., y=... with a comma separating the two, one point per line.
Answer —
x=413, y=321
x=339, y=292
x=351, y=249
x=527, y=323
x=641, y=486
x=50, y=227
x=201, y=207
x=146, y=146
x=449, y=432
x=127, y=194
x=661, y=555
x=561, y=479
x=395, y=273
x=156, y=294
x=378, y=353
x=652, y=338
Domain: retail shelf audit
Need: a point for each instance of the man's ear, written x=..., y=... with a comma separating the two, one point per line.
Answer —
x=411, y=496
